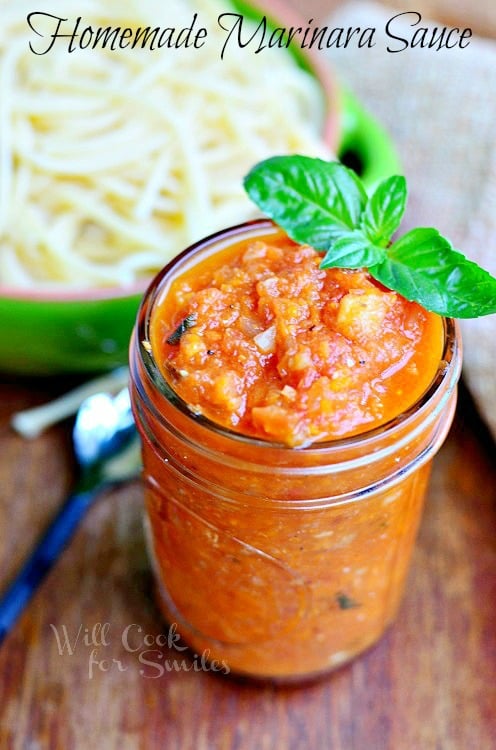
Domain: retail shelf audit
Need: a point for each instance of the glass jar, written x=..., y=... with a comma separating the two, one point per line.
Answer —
x=281, y=563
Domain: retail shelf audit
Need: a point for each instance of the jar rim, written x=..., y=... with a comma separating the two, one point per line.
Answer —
x=448, y=369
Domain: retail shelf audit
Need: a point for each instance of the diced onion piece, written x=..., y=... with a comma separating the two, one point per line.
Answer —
x=266, y=340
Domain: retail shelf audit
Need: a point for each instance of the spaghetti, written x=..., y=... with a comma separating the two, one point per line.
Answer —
x=111, y=161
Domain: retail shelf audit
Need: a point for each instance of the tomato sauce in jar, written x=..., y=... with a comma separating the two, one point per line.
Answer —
x=288, y=416
x=262, y=341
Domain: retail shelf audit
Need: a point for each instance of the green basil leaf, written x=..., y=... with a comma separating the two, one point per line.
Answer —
x=385, y=210
x=325, y=205
x=352, y=250
x=312, y=200
x=422, y=266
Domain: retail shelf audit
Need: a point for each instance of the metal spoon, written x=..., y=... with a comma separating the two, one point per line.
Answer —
x=106, y=446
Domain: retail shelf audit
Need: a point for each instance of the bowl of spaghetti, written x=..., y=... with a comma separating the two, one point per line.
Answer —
x=123, y=140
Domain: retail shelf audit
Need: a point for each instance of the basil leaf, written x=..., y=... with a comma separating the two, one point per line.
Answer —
x=345, y=602
x=312, y=200
x=352, y=250
x=325, y=205
x=188, y=322
x=422, y=266
x=385, y=210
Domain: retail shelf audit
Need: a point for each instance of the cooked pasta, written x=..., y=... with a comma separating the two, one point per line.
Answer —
x=112, y=161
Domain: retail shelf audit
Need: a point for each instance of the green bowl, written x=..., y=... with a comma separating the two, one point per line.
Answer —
x=88, y=331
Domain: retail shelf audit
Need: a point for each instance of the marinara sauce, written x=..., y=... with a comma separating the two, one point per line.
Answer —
x=288, y=416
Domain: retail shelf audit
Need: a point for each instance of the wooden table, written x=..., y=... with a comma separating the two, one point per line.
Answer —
x=430, y=684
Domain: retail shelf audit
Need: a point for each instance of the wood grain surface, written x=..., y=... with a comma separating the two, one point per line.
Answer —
x=430, y=684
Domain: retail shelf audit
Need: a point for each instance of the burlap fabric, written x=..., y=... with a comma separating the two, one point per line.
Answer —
x=440, y=109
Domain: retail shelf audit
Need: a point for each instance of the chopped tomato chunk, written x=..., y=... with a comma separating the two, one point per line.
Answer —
x=283, y=350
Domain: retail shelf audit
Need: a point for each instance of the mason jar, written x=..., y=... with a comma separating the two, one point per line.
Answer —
x=282, y=563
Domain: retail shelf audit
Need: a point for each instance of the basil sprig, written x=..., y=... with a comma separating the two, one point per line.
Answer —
x=325, y=205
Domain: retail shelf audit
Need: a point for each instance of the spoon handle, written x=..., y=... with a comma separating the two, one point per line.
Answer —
x=45, y=554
